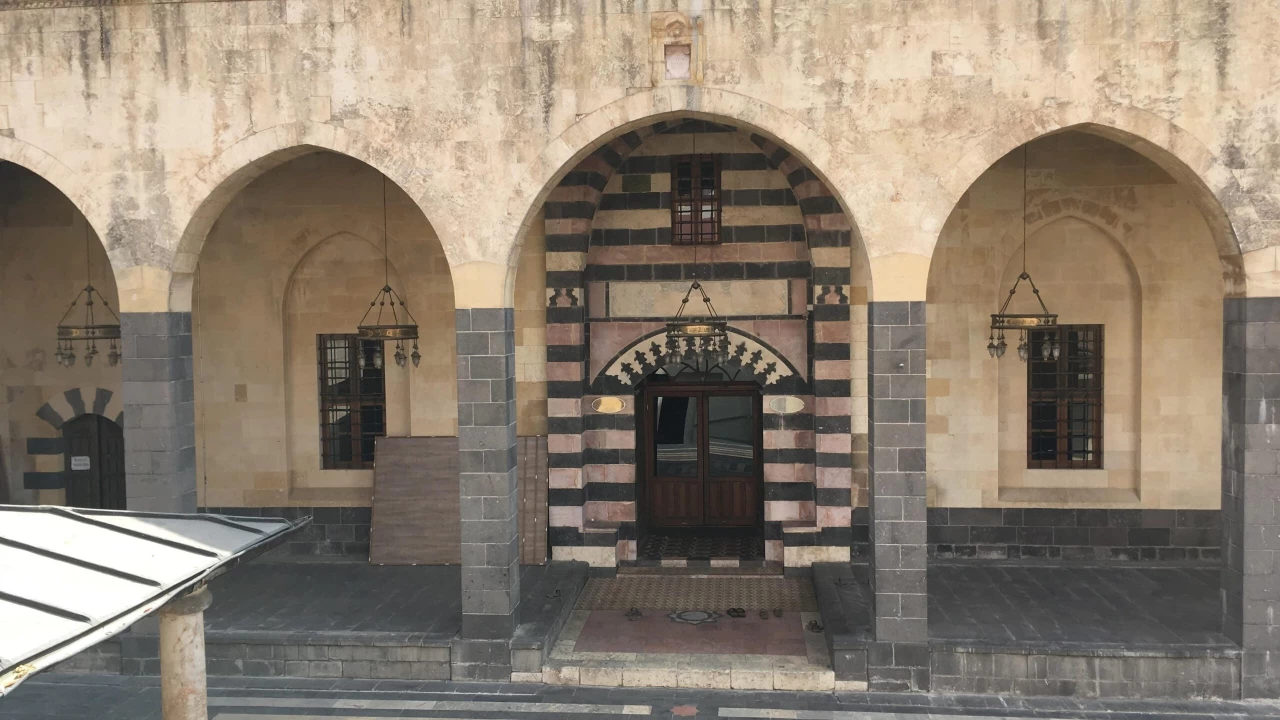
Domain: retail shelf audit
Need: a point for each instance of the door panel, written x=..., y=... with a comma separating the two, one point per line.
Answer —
x=731, y=467
x=731, y=502
x=80, y=439
x=111, y=462
x=101, y=442
x=675, y=487
x=702, y=453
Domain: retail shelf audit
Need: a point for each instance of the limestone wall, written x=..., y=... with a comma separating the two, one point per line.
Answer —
x=1112, y=240
x=150, y=116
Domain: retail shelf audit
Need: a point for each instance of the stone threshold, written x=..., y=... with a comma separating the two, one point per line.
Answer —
x=566, y=666
x=746, y=672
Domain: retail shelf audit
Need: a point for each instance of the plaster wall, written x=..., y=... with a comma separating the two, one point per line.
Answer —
x=42, y=267
x=1112, y=240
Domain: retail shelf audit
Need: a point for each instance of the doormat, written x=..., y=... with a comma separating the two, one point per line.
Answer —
x=719, y=593
x=768, y=569
x=692, y=547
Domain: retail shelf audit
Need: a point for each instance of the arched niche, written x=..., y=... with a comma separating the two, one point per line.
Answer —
x=1108, y=230
x=299, y=249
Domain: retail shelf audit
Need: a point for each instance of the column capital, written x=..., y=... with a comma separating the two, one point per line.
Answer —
x=189, y=604
x=480, y=284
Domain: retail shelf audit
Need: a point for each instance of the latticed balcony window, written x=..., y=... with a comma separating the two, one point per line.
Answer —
x=353, y=401
x=1064, y=399
x=695, y=200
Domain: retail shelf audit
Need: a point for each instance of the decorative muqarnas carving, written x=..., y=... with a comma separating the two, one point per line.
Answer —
x=647, y=355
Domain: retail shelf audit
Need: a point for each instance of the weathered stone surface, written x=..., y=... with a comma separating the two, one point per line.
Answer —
x=408, y=89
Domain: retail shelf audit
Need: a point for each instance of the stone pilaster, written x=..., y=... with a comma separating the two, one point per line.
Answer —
x=489, y=493
x=899, y=658
x=159, y=412
x=1251, y=489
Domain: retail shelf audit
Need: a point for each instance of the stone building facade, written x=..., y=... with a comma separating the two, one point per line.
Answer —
x=228, y=161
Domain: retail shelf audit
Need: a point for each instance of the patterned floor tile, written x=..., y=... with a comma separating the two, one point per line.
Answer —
x=720, y=593
x=692, y=631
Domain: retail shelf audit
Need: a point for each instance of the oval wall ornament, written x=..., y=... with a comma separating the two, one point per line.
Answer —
x=608, y=404
x=786, y=404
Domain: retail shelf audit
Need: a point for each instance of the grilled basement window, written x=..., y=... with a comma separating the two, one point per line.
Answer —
x=353, y=401
x=695, y=200
x=1064, y=399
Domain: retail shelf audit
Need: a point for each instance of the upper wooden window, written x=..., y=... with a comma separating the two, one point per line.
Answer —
x=1064, y=399
x=695, y=199
x=353, y=401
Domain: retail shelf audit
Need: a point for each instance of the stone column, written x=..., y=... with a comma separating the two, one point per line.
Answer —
x=489, y=493
x=183, y=688
x=1251, y=489
x=159, y=411
x=898, y=660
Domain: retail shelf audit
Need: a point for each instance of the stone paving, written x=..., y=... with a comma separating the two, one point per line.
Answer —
x=980, y=601
x=344, y=597
x=337, y=596
x=83, y=697
x=987, y=602
x=1134, y=606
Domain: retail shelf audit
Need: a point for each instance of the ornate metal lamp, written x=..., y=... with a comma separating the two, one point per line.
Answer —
x=1004, y=320
x=400, y=327
x=698, y=341
x=89, y=330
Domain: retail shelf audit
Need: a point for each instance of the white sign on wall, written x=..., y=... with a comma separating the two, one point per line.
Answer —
x=79, y=462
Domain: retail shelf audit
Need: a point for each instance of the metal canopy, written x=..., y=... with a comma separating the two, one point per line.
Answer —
x=71, y=577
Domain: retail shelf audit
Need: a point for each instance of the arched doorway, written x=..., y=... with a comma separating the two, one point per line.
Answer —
x=702, y=480
x=94, y=462
x=774, y=247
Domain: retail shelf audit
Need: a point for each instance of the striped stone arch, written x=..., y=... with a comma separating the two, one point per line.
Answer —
x=45, y=455
x=841, y=461
x=839, y=421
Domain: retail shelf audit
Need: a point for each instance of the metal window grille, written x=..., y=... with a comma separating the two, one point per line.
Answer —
x=695, y=200
x=352, y=401
x=1064, y=399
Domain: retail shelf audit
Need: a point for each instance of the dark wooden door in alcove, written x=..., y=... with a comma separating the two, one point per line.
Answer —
x=702, y=455
x=94, y=463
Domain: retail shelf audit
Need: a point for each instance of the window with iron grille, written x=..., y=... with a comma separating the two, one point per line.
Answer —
x=1064, y=399
x=353, y=401
x=695, y=200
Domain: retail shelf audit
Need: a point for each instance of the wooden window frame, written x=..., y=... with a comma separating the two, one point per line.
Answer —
x=1078, y=384
x=695, y=215
x=360, y=398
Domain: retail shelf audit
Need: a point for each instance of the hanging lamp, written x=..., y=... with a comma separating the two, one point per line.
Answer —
x=1004, y=320
x=400, y=327
x=701, y=343
x=89, y=330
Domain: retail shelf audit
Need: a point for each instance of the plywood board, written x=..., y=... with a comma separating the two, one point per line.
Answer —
x=533, y=500
x=415, y=501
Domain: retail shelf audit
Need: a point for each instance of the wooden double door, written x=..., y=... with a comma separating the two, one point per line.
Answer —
x=702, y=456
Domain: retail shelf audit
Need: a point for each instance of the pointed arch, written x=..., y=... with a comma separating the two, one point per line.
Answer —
x=1227, y=208
x=212, y=187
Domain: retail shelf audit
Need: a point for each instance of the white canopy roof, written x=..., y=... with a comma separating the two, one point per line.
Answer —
x=71, y=578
